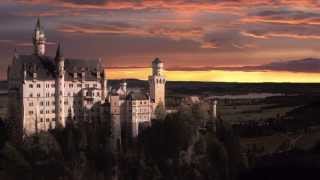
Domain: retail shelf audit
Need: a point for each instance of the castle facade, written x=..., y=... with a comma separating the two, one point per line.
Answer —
x=47, y=92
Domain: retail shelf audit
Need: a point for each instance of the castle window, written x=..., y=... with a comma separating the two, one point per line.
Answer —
x=52, y=111
x=52, y=85
x=41, y=111
x=41, y=119
x=53, y=119
x=38, y=85
x=47, y=85
x=87, y=86
x=71, y=85
x=31, y=95
x=30, y=112
x=38, y=95
x=30, y=85
x=98, y=94
x=79, y=85
x=47, y=103
x=47, y=111
x=47, y=119
x=31, y=104
x=41, y=103
x=94, y=85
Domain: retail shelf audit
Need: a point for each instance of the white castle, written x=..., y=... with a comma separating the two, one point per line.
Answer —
x=46, y=92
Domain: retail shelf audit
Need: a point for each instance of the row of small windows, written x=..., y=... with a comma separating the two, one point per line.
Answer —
x=160, y=81
x=47, y=119
x=68, y=94
x=134, y=103
x=79, y=110
x=140, y=110
x=70, y=85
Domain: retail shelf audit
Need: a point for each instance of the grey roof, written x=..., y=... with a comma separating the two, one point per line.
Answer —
x=45, y=67
x=137, y=96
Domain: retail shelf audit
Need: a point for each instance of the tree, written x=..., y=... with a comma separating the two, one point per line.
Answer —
x=160, y=111
x=4, y=135
x=200, y=113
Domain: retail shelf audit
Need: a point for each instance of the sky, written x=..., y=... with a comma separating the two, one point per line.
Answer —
x=199, y=40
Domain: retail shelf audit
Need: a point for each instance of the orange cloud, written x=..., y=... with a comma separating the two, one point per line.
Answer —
x=267, y=35
x=257, y=19
x=175, y=33
x=102, y=30
x=228, y=6
x=209, y=45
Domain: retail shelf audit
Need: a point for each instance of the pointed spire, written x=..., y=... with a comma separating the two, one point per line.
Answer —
x=59, y=55
x=38, y=26
x=16, y=55
x=59, y=51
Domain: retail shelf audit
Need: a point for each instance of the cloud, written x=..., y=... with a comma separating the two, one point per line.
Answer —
x=291, y=17
x=102, y=29
x=19, y=43
x=288, y=34
x=174, y=33
x=308, y=65
x=209, y=45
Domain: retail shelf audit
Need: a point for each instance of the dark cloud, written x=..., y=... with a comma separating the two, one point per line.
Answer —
x=190, y=33
x=284, y=16
x=90, y=2
x=308, y=65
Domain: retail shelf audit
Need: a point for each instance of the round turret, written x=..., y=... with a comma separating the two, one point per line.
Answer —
x=123, y=85
x=157, y=67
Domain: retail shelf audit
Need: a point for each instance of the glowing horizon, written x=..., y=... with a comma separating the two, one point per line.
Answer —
x=217, y=75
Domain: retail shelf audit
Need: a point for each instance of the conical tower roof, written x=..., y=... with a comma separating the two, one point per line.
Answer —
x=59, y=53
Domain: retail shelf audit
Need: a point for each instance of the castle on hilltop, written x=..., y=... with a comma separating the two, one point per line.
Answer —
x=46, y=92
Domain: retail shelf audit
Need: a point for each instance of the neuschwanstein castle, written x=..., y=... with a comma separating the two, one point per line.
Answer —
x=46, y=92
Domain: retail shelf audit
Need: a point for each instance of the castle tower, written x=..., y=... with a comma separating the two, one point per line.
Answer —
x=59, y=88
x=104, y=86
x=214, y=110
x=123, y=86
x=157, y=83
x=39, y=40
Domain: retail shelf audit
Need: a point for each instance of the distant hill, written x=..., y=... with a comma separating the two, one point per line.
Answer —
x=221, y=88
x=308, y=65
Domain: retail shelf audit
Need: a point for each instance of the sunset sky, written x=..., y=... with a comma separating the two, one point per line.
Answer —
x=205, y=40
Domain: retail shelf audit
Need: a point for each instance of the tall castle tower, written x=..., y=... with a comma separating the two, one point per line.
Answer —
x=59, y=90
x=39, y=40
x=157, y=83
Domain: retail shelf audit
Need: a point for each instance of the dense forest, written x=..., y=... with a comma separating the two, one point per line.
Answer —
x=180, y=145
